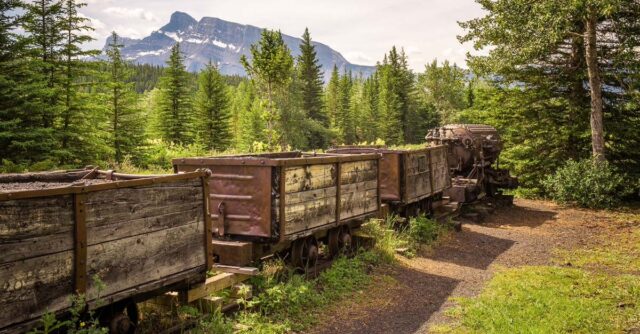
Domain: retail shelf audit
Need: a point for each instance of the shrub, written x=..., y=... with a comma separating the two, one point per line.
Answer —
x=424, y=230
x=588, y=184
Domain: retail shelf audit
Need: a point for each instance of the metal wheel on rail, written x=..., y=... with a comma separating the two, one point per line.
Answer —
x=121, y=317
x=304, y=253
x=346, y=241
x=339, y=241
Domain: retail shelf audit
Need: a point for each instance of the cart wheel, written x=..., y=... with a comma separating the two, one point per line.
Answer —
x=310, y=254
x=304, y=253
x=345, y=240
x=296, y=253
x=124, y=320
x=333, y=242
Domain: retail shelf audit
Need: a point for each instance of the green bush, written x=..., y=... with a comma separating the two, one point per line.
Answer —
x=424, y=230
x=588, y=184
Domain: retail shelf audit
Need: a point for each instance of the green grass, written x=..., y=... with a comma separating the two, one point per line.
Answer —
x=597, y=290
x=618, y=255
x=551, y=300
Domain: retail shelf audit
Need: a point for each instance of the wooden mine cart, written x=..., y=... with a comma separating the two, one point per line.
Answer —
x=281, y=200
x=63, y=233
x=410, y=179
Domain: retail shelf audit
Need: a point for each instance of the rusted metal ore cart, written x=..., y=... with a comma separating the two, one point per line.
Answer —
x=411, y=180
x=266, y=203
x=138, y=235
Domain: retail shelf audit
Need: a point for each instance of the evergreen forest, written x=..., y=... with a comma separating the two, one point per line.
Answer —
x=561, y=82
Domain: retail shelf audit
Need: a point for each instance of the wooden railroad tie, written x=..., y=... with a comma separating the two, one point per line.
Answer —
x=200, y=296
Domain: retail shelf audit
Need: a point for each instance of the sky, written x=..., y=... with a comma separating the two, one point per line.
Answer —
x=361, y=30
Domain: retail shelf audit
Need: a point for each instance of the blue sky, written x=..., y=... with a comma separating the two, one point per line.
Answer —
x=362, y=30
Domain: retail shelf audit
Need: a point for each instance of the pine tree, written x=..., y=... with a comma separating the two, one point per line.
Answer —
x=242, y=97
x=79, y=138
x=346, y=125
x=389, y=104
x=332, y=99
x=271, y=70
x=23, y=138
x=212, y=105
x=444, y=87
x=175, y=116
x=43, y=26
x=126, y=123
x=357, y=110
x=310, y=83
x=559, y=80
x=370, y=106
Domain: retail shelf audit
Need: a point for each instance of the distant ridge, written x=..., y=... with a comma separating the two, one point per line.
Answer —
x=222, y=42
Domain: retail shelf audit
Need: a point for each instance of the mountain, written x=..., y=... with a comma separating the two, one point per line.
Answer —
x=223, y=43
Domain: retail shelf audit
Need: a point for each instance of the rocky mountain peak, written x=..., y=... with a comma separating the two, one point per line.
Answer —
x=221, y=42
x=180, y=22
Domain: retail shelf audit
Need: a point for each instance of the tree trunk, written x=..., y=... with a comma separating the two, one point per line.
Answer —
x=595, y=84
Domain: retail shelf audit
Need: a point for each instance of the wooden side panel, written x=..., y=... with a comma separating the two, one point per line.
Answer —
x=441, y=178
x=32, y=287
x=136, y=235
x=417, y=176
x=36, y=257
x=310, y=199
x=35, y=227
x=309, y=177
x=141, y=234
x=359, y=190
x=126, y=263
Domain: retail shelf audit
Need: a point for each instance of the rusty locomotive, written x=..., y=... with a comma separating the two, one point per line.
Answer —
x=217, y=211
x=474, y=160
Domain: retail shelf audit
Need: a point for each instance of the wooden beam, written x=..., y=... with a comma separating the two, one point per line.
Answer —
x=248, y=271
x=214, y=284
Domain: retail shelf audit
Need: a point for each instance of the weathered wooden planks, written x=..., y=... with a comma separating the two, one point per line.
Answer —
x=310, y=199
x=358, y=198
x=418, y=176
x=309, y=177
x=359, y=171
x=312, y=194
x=129, y=262
x=137, y=236
x=318, y=211
x=441, y=178
x=22, y=219
x=33, y=286
x=359, y=189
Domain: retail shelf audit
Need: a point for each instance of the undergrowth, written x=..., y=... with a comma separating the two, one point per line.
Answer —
x=288, y=302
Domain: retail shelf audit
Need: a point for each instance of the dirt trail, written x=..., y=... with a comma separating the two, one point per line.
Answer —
x=412, y=297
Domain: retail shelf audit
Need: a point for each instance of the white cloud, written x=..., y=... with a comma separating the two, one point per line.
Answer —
x=130, y=32
x=358, y=57
x=133, y=13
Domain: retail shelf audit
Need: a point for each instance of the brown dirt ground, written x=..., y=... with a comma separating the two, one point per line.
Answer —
x=412, y=296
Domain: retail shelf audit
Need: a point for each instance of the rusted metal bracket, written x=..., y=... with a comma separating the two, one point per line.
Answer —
x=432, y=170
x=221, y=219
x=80, y=247
x=338, y=192
x=208, y=226
x=283, y=195
x=92, y=173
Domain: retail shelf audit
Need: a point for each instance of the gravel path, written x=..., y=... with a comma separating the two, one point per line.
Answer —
x=413, y=296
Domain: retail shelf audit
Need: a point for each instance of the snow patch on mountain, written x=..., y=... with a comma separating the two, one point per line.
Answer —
x=221, y=42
